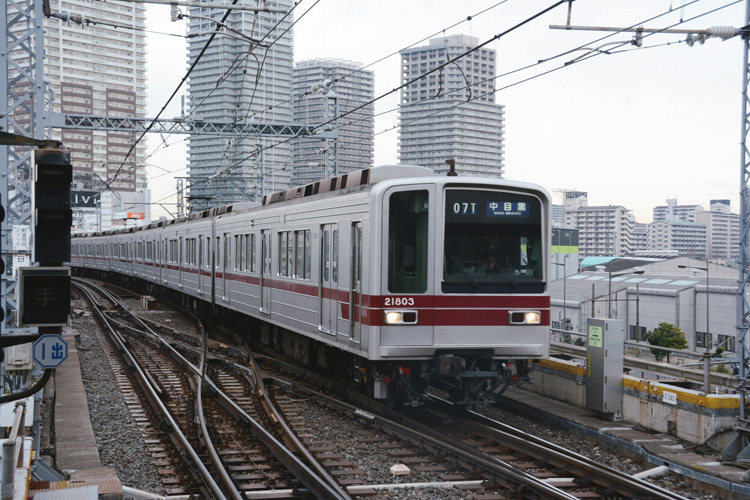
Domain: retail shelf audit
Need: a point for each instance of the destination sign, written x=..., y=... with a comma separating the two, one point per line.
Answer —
x=507, y=209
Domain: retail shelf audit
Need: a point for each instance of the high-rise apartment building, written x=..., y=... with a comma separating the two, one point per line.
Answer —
x=244, y=76
x=640, y=237
x=353, y=87
x=604, y=231
x=100, y=70
x=451, y=113
x=673, y=211
x=572, y=202
x=687, y=238
x=723, y=232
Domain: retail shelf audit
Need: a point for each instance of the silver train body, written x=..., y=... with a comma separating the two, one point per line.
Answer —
x=392, y=277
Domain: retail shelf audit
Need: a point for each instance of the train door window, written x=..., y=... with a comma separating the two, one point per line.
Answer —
x=266, y=254
x=217, y=247
x=308, y=255
x=408, y=243
x=326, y=256
x=200, y=252
x=207, y=258
x=226, y=255
x=335, y=262
x=251, y=256
x=358, y=253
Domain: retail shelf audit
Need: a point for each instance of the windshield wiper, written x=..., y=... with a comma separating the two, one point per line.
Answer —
x=510, y=280
x=471, y=280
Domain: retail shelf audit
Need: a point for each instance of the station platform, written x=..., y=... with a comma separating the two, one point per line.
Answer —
x=660, y=449
x=76, y=451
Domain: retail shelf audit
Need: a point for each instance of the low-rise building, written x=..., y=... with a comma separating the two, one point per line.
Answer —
x=678, y=291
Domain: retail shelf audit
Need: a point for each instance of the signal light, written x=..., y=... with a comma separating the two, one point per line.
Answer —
x=44, y=296
x=53, y=215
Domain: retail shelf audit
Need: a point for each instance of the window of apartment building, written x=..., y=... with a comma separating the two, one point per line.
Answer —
x=702, y=339
x=728, y=343
x=637, y=334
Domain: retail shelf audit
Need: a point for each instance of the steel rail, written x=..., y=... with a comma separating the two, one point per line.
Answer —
x=602, y=475
x=311, y=460
x=317, y=485
x=149, y=391
x=427, y=438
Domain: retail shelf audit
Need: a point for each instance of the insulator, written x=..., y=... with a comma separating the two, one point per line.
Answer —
x=723, y=32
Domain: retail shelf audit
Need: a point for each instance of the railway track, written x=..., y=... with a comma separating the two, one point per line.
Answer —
x=232, y=455
x=337, y=441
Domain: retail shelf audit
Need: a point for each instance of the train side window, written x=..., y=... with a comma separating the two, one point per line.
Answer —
x=408, y=243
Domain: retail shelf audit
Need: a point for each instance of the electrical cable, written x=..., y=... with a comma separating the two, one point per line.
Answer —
x=184, y=78
x=498, y=89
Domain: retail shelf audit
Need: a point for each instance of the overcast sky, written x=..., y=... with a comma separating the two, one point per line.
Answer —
x=632, y=127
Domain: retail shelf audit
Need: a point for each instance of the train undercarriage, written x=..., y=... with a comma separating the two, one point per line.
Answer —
x=467, y=377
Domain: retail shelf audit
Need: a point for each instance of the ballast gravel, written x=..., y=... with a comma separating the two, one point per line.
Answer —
x=121, y=445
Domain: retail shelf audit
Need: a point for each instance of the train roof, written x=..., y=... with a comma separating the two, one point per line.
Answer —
x=357, y=178
x=347, y=182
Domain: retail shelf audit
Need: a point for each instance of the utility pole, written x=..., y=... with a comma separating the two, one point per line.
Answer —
x=739, y=448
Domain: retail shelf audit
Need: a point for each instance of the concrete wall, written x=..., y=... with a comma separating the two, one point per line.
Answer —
x=686, y=413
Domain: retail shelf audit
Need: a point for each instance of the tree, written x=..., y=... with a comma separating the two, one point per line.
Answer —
x=666, y=335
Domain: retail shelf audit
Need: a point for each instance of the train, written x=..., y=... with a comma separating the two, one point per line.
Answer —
x=392, y=277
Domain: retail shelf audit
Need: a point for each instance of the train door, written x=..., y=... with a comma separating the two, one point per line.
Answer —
x=407, y=287
x=329, y=288
x=355, y=293
x=265, y=272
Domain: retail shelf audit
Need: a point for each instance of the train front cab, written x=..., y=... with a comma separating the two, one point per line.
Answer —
x=463, y=288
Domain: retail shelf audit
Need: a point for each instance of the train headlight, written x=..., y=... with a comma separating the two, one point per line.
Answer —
x=393, y=317
x=525, y=318
x=401, y=317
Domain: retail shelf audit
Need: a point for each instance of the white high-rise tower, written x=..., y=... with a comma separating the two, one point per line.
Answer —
x=451, y=113
x=353, y=87
x=244, y=76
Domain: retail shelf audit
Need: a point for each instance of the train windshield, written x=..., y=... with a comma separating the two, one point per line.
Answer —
x=493, y=242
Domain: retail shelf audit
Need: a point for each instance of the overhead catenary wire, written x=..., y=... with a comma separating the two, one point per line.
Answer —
x=498, y=89
x=158, y=115
x=467, y=19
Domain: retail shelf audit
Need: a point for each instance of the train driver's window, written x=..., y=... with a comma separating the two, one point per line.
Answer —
x=408, y=242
